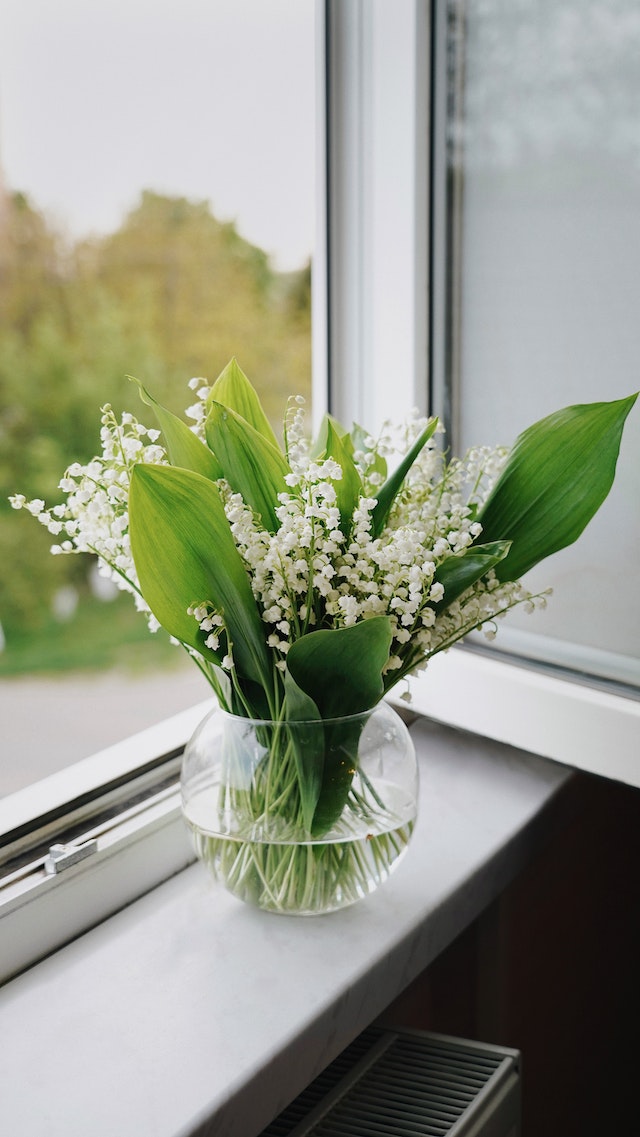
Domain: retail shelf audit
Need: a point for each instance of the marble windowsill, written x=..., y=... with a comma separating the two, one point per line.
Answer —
x=189, y=1013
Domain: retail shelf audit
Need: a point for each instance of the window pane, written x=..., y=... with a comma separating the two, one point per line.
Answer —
x=544, y=168
x=156, y=218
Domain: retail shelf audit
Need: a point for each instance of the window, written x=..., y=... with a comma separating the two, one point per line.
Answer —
x=395, y=198
x=156, y=217
x=379, y=60
x=542, y=167
x=147, y=227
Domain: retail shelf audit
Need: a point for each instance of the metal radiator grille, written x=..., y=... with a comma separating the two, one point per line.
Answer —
x=317, y=1091
x=406, y=1084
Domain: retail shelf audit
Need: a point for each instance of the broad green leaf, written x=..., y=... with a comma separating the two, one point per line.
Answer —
x=299, y=706
x=319, y=447
x=233, y=390
x=458, y=572
x=183, y=447
x=389, y=491
x=307, y=740
x=184, y=554
x=349, y=487
x=340, y=762
x=252, y=700
x=556, y=478
x=356, y=440
x=251, y=465
x=341, y=669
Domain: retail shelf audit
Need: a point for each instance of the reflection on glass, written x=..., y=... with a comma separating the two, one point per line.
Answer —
x=156, y=219
x=544, y=154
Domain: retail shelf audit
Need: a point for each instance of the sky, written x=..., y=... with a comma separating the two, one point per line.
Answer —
x=208, y=99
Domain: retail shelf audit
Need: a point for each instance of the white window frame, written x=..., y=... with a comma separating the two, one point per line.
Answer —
x=371, y=324
x=141, y=845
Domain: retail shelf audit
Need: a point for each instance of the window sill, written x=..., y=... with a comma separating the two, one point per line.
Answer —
x=188, y=1013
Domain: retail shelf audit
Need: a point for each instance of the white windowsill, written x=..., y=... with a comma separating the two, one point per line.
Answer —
x=189, y=1013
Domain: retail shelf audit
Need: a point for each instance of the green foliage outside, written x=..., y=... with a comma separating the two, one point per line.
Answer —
x=100, y=635
x=172, y=294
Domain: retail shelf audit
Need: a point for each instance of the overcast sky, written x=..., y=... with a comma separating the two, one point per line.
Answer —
x=211, y=99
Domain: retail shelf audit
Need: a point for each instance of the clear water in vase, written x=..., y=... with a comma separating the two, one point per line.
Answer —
x=302, y=877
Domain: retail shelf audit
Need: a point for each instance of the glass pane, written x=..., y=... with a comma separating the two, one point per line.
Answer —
x=544, y=172
x=156, y=218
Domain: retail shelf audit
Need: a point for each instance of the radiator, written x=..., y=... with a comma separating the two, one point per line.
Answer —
x=409, y=1083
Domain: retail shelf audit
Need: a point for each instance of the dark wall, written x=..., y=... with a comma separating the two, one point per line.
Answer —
x=553, y=969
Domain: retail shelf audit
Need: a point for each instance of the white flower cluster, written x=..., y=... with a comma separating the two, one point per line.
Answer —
x=296, y=443
x=312, y=574
x=320, y=569
x=95, y=516
x=198, y=411
x=212, y=625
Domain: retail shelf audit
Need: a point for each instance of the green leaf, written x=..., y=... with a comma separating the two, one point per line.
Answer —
x=349, y=487
x=557, y=476
x=251, y=465
x=356, y=440
x=389, y=491
x=318, y=450
x=299, y=705
x=341, y=670
x=458, y=572
x=307, y=740
x=340, y=762
x=183, y=447
x=184, y=554
x=233, y=390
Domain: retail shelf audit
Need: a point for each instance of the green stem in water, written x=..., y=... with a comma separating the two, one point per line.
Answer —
x=287, y=875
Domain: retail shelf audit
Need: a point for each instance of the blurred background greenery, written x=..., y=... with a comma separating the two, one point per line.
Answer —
x=173, y=293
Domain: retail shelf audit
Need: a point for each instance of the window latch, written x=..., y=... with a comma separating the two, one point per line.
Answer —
x=62, y=857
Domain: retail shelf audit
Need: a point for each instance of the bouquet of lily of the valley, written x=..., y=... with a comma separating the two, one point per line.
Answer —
x=306, y=580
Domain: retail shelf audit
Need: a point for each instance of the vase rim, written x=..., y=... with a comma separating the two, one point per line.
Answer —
x=359, y=715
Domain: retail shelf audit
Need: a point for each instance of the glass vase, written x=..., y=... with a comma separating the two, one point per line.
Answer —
x=301, y=818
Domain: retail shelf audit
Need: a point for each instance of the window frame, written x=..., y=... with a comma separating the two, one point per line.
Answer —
x=126, y=799
x=369, y=322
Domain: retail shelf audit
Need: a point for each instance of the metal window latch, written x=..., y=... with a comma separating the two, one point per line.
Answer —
x=62, y=857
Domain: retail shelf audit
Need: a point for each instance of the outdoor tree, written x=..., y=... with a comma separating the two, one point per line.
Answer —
x=170, y=295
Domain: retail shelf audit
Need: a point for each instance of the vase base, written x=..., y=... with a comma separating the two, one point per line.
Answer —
x=303, y=879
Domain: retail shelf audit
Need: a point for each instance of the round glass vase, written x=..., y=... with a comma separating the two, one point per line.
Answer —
x=301, y=818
